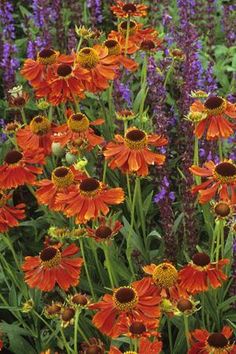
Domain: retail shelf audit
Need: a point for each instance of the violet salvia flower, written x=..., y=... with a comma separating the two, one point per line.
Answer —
x=233, y=284
x=122, y=94
x=41, y=17
x=229, y=23
x=95, y=7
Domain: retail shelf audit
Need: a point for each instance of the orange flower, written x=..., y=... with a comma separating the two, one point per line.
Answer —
x=166, y=278
x=205, y=342
x=93, y=345
x=215, y=119
x=145, y=347
x=18, y=168
x=106, y=230
x=89, y=199
x=53, y=266
x=124, y=10
x=221, y=179
x=10, y=215
x=137, y=329
x=200, y=274
x=38, y=134
x=36, y=71
x=101, y=67
x=139, y=301
x=115, y=49
x=132, y=154
x=63, y=179
x=78, y=129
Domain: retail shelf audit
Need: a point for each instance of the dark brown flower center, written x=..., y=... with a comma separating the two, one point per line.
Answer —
x=135, y=135
x=89, y=185
x=94, y=349
x=137, y=328
x=86, y=51
x=53, y=309
x=125, y=295
x=222, y=209
x=46, y=53
x=129, y=8
x=48, y=253
x=124, y=24
x=226, y=169
x=201, y=259
x=77, y=117
x=19, y=101
x=110, y=43
x=79, y=299
x=67, y=314
x=61, y=171
x=38, y=119
x=13, y=156
x=217, y=340
x=147, y=45
x=103, y=232
x=213, y=102
x=184, y=305
x=64, y=70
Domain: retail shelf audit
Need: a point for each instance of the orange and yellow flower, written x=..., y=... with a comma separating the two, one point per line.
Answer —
x=139, y=301
x=78, y=129
x=145, y=346
x=131, y=154
x=18, y=168
x=63, y=179
x=10, y=215
x=214, y=118
x=101, y=67
x=116, y=49
x=53, y=266
x=221, y=180
x=90, y=199
x=205, y=342
x=106, y=230
x=137, y=329
x=201, y=274
x=123, y=10
x=38, y=134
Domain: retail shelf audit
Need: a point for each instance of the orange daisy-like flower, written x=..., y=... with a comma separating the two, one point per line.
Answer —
x=132, y=153
x=36, y=71
x=139, y=301
x=221, y=179
x=10, y=215
x=106, y=230
x=19, y=169
x=215, y=116
x=137, y=329
x=115, y=48
x=145, y=346
x=131, y=9
x=166, y=278
x=90, y=199
x=78, y=129
x=201, y=274
x=38, y=134
x=63, y=179
x=52, y=266
x=101, y=66
x=205, y=342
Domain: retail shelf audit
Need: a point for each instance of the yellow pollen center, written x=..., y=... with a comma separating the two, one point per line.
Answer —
x=50, y=257
x=215, y=106
x=165, y=275
x=47, y=56
x=225, y=172
x=125, y=298
x=113, y=47
x=40, y=125
x=88, y=58
x=62, y=177
x=136, y=139
x=78, y=122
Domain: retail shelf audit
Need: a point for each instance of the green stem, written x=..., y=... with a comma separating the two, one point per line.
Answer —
x=186, y=330
x=79, y=44
x=66, y=345
x=77, y=313
x=202, y=309
x=127, y=36
x=8, y=242
x=104, y=171
x=46, y=323
x=169, y=72
x=86, y=268
x=143, y=89
x=23, y=115
x=140, y=209
x=110, y=103
x=50, y=111
x=220, y=145
x=170, y=335
x=108, y=265
x=196, y=159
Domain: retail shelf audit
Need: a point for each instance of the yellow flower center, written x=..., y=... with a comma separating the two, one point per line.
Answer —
x=113, y=47
x=78, y=122
x=62, y=177
x=122, y=28
x=3, y=199
x=13, y=157
x=40, y=125
x=125, y=298
x=165, y=275
x=47, y=56
x=215, y=105
x=136, y=139
x=225, y=172
x=88, y=58
x=50, y=257
x=89, y=187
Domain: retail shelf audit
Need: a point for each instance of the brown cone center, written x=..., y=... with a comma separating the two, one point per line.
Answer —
x=67, y=314
x=226, y=169
x=217, y=340
x=201, y=259
x=137, y=328
x=135, y=135
x=48, y=253
x=46, y=53
x=222, y=209
x=94, y=349
x=103, y=232
x=124, y=25
x=129, y=8
x=79, y=299
x=89, y=185
x=147, y=45
x=64, y=70
x=13, y=156
x=61, y=171
x=184, y=305
x=213, y=102
x=125, y=295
